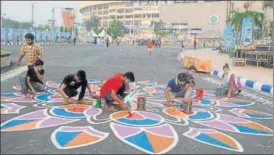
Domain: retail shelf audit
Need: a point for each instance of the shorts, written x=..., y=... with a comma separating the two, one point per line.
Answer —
x=149, y=49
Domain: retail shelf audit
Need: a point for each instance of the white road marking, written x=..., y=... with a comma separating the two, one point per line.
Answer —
x=13, y=73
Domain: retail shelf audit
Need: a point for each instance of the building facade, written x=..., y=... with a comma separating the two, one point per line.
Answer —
x=208, y=18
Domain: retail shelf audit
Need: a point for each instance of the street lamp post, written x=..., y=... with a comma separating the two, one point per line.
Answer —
x=32, y=13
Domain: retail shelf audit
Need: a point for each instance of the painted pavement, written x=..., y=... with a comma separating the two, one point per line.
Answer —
x=150, y=131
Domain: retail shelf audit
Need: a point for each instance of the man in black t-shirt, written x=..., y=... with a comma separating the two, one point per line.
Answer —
x=33, y=81
x=70, y=85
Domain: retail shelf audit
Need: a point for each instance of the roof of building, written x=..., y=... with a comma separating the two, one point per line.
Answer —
x=92, y=3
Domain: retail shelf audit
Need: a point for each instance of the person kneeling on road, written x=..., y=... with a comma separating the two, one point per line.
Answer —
x=33, y=82
x=113, y=90
x=182, y=87
x=70, y=84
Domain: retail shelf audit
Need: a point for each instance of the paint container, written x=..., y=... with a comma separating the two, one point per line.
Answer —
x=187, y=107
x=97, y=103
x=141, y=103
x=199, y=93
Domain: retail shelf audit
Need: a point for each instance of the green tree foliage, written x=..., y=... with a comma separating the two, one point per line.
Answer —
x=61, y=29
x=8, y=23
x=236, y=18
x=116, y=28
x=92, y=22
x=42, y=27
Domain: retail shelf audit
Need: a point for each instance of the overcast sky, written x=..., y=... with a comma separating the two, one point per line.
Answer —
x=21, y=10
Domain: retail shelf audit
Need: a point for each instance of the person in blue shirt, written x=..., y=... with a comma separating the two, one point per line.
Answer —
x=181, y=86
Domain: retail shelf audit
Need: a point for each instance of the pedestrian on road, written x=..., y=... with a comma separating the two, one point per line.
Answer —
x=195, y=44
x=31, y=50
x=95, y=40
x=149, y=47
x=74, y=41
x=113, y=90
x=33, y=81
x=231, y=85
x=69, y=86
x=181, y=86
x=107, y=42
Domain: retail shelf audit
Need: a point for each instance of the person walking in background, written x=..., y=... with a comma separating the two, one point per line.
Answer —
x=150, y=47
x=107, y=42
x=74, y=41
x=31, y=50
x=195, y=44
x=95, y=41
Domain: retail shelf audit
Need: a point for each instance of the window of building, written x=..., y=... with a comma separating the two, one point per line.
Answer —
x=129, y=16
x=144, y=15
x=112, y=17
x=130, y=22
x=148, y=15
x=129, y=10
x=120, y=17
x=138, y=16
x=120, y=11
x=155, y=15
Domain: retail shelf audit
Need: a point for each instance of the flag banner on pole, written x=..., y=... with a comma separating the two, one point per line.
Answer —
x=229, y=38
x=247, y=32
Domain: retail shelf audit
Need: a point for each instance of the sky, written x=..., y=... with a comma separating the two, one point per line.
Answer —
x=21, y=10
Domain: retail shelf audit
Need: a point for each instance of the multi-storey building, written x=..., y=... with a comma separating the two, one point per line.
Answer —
x=205, y=17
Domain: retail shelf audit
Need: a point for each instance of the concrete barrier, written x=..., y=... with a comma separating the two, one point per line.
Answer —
x=5, y=59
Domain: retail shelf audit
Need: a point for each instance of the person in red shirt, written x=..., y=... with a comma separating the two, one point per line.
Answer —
x=149, y=47
x=113, y=89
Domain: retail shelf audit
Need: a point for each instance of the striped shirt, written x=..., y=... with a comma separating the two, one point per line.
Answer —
x=33, y=52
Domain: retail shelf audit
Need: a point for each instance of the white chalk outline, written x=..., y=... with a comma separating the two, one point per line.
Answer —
x=17, y=96
x=56, y=144
x=8, y=108
x=162, y=120
x=227, y=122
x=144, y=129
x=237, y=111
x=241, y=149
x=94, y=117
x=37, y=126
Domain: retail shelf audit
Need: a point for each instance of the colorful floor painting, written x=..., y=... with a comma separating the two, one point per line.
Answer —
x=214, y=138
x=68, y=137
x=152, y=140
x=151, y=131
x=138, y=118
x=11, y=108
x=246, y=113
x=16, y=97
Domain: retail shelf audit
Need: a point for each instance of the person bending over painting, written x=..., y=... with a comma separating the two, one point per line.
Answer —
x=181, y=86
x=113, y=90
x=231, y=85
x=71, y=83
x=33, y=82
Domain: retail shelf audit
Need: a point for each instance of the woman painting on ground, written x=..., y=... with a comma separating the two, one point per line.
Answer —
x=231, y=85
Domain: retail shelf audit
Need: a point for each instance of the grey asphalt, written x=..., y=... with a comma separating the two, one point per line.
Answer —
x=100, y=62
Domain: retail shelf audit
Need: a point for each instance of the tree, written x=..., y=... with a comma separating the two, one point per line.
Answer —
x=267, y=22
x=116, y=28
x=92, y=22
x=236, y=18
x=158, y=26
x=42, y=27
x=61, y=28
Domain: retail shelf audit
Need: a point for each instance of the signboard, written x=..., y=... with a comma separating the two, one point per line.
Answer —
x=229, y=38
x=247, y=32
x=213, y=19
